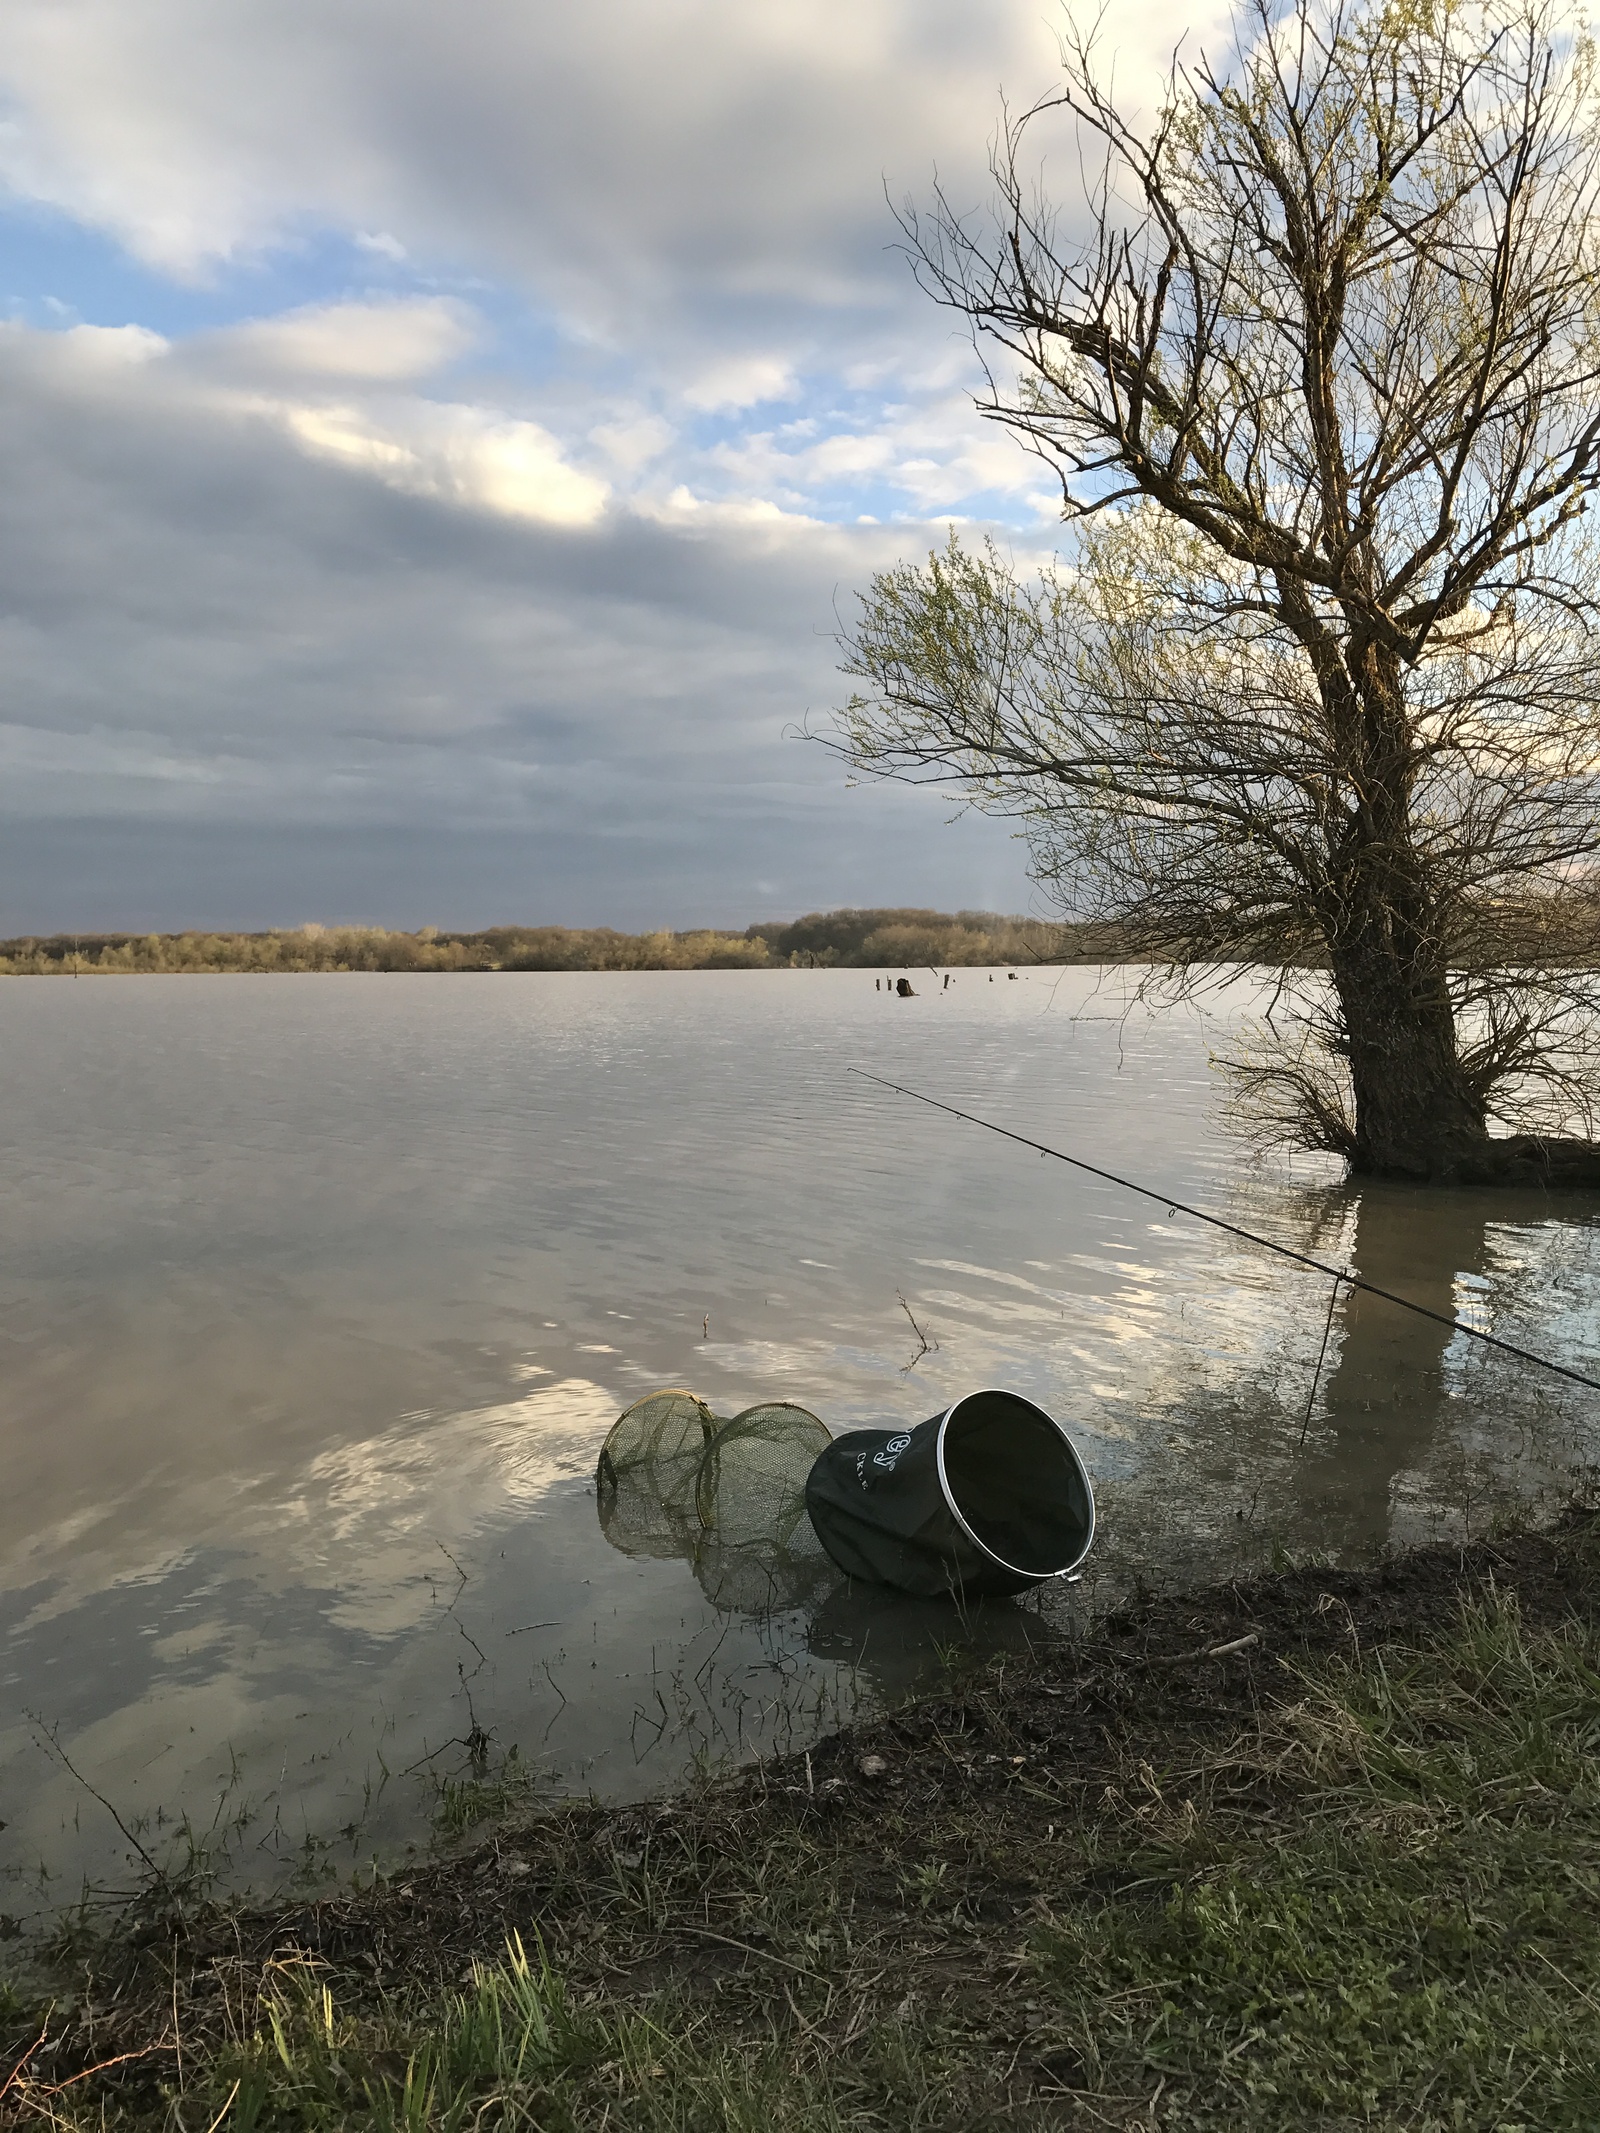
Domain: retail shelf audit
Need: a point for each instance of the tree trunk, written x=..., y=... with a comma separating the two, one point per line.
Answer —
x=1415, y=1116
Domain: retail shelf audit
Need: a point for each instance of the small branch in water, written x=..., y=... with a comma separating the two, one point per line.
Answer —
x=1316, y=1375
x=705, y=1330
x=460, y=1573
x=472, y=1742
x=476, y=1740
x=928, y=1347
x=49, y=1733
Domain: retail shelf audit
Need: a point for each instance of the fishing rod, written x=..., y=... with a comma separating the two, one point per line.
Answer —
x=1284, y=1251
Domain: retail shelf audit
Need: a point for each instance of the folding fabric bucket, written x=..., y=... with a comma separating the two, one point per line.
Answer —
x=989, y=1497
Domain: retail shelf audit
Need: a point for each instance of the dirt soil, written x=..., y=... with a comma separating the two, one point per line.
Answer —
x=706, y=1894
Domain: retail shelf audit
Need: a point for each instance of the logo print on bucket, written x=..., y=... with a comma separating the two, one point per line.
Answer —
x=890, y=1453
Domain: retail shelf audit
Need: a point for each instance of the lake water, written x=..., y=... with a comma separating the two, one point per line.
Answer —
x=319, y=1295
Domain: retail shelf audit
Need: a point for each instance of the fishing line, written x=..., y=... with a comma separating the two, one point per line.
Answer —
x=1284, y=1251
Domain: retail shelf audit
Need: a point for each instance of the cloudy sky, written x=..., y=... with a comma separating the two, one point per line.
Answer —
x=436, y=440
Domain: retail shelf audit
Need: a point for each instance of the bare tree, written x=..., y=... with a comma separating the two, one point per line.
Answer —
x=1317, y=687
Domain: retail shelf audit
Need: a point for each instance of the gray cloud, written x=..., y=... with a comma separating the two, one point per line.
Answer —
x=669, y=178
x=619, y=154
x=216, y=646
x=492, y=595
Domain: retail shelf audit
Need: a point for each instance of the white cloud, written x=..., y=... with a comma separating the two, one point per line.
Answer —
x=381, y=342
x=517, y=468
x=114, y=344
x=633, y=442
x=937, y=454
x=476, y=456
x=740, y=382
x=681, y=507
x=462, y=455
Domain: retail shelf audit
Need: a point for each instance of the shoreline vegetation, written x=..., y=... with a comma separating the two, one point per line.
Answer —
x=871, y=940
x=1315, y=1848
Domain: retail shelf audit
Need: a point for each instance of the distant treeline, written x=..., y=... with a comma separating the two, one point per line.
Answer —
x=870, y=940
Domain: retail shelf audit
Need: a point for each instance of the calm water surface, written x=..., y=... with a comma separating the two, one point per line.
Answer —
x=319, y=1294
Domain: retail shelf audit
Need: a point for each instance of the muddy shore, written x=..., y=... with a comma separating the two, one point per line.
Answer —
x=1320, y=1847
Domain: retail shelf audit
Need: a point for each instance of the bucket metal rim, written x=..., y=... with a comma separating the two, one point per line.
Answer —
x=1039, y=1576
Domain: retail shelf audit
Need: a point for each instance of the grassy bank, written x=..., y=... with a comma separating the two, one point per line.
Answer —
x=1319, y=1849
x=869, y=940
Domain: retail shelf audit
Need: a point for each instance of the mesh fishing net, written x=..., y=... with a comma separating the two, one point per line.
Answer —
x=763, y=1577
x=752, y=1480
x=760, y=1553
x=648, y=1471
x=727, y=1496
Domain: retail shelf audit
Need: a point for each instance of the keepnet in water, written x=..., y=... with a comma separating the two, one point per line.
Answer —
x=727, y=1496
x=987, y=1498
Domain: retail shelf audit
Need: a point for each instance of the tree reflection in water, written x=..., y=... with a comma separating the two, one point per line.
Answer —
x=1393, y=1393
